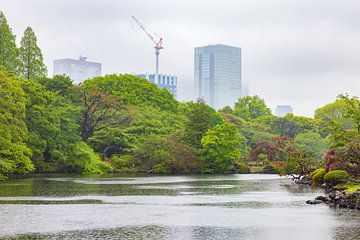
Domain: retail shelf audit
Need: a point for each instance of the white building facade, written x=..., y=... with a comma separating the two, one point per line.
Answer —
x=168, y=81
x=77, y=69
x=217, y=74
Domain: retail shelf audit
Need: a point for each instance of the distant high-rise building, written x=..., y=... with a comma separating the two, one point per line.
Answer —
x=167, y=81
x=217, y=74
x=78, y=70
x=282, y=110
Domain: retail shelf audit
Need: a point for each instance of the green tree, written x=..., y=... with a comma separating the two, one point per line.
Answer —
x=251, y=107
x=59, y=84
x=201, y=117
x=313, y=142
x=220, y=148
x=51, y=121
x=291, y=125
x=8, y=50
x=99, y=110
x=300, y=163
x=14, y=154
x=133, y=90
x=31, y=64
x=167, y=155
x=352, y=110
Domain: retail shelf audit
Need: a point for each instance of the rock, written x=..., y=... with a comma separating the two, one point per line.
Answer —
x=323, y=199
x=313, y=201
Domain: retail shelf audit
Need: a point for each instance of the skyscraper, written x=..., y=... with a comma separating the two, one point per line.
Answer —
x=167, y=81
x=77, y=70
x=217, y=74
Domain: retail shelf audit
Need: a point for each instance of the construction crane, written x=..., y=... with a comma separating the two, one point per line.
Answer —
x=155, y=38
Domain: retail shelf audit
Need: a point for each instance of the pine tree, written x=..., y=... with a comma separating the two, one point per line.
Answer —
x=8, y=50
x=31, y=60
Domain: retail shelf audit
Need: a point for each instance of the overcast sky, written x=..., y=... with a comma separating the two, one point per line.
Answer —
x=298, y=52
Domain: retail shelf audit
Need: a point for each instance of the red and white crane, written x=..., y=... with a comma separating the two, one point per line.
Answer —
x=155, y=38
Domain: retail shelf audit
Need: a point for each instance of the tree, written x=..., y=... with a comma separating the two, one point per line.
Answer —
x=201, y=117
x=59, y=84
x=333, y=112
x=300, y=163
x=8, y=50
x=251, y=107
x=14, y=154
x=349, y=156
x=31, y=64
x=291, y=125
x=51, y=122
x=111, y=140
x=133, y=90
x=220, y=148
x=352, y=110
x=99, y=111
x=167, y=155
x=313, y=142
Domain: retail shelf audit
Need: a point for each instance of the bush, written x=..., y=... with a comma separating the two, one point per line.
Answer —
x=269, y=169
x=242, y=168
x=317, y=176
x=83, y=159
x=336, y=177
x=123, y=163
x=161, y=168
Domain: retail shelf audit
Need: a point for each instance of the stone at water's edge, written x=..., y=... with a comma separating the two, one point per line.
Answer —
x=313, y=201
x=338, y=199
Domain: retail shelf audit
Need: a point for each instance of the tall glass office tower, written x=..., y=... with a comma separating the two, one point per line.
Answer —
x=217, y=74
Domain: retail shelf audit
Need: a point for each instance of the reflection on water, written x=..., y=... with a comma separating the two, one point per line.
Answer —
x=168, y=207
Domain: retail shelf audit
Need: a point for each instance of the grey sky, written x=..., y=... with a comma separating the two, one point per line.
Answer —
x=298, y=52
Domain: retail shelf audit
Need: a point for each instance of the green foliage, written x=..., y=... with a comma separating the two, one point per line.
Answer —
x=14, y=154
x=8, y=50
x=100, y=110
x=83, y=159
x=220, y=148
x=300, y=162
x=348, y=156
x=331, y=115
x=312, y=141
x=317, y=176
x=31, y=64
x=123, y=163
x=109, y=141
x=166, y=155
x=51, y=121
x=133, y=90
x=352, y=110
x=336, y=177
x=269, y=169
x=242, y=168
x=201, y=117
x=59, y=84
x=291, y=125
x=251, y=107
x=147, y=121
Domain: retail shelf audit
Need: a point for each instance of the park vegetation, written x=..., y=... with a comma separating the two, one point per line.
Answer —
x=123, y=123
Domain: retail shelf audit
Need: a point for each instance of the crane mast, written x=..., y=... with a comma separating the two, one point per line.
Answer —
x=156, y=39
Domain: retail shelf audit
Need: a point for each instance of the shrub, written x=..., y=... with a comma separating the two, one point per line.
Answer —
x=269, y=169
x=242, y=168
x=336, y=176
x=83, y=159
x=317, y=176
x=161, y=168
x=123, y=163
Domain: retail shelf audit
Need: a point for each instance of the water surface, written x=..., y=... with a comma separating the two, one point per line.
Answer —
x=168, y=207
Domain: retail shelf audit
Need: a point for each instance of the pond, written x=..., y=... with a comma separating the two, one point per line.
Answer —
x=250, y=206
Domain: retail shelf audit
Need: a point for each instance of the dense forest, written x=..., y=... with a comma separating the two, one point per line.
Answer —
x=123, y=123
